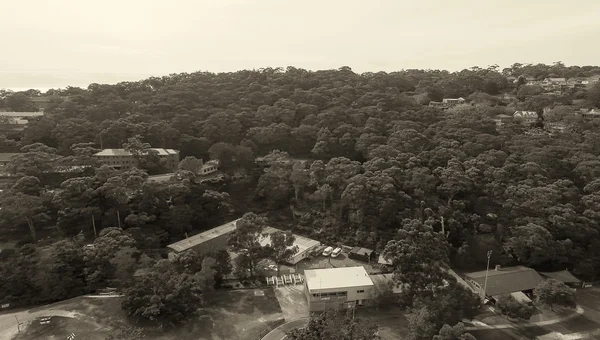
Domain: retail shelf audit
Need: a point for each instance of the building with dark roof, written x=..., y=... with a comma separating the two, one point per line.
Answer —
x=211, y=240
x=362, y=254
x=504, y=280
x=563, y=276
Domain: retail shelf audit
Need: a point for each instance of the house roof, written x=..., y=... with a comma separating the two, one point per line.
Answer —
x=507, y=280
x=160, y=178
x=562, y=276
x=5, y=156
x=302, y=242
x=198, y=239
x=122, y=152
x=22, y=114
x=525, y=114
x=382, y=260
x=361, y=251
x=331, y=278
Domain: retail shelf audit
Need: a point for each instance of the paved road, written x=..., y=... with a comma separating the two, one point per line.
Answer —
x=279, y=332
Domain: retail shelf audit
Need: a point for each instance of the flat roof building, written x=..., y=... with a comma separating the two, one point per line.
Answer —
x=336, y=287
x=305, y=245
x=122, y=159
x=205, y=242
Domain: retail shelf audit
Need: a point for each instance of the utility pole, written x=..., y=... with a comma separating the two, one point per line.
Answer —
x=489, y=255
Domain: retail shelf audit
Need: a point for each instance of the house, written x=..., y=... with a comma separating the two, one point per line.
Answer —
x=447, y=103
x=528, y=117
x=209, y=167
x=554, y=84
x=504, y=281
x=453, y=102
x=160, y=178
x=304, y=244
x=593, y=113
x=22, y=115
x=387, y=264
x=205, y=242
x=593, y=79
x=336, y=287
x=563, y=276
x=502, y=119
x=362, y=254
x=557, y=127
x=122, y=159
x=16, y=121
x=4, y=160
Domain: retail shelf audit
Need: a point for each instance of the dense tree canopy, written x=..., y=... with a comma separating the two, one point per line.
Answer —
x=345, y=158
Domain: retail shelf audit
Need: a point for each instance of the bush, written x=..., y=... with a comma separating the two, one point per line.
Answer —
x=510, y=307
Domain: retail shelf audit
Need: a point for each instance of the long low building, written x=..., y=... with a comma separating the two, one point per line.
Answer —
x=205, y=242
x=304, y=244
x=336, y=287
x=502, y=281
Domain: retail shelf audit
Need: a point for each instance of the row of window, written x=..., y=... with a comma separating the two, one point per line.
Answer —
x=336, y=293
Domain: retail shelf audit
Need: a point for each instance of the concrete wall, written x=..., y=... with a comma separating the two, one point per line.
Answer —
x=319, y=303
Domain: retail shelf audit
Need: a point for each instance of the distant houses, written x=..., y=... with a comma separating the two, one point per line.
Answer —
x=16, y=121
x=123, y=159
x=447, y=103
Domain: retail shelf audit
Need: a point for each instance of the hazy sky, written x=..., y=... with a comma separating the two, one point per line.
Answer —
x=55, y=43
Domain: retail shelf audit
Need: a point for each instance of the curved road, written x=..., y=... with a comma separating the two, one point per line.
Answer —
x=279, y=332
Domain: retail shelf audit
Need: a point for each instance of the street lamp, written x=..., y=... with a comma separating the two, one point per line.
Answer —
x=489, y=254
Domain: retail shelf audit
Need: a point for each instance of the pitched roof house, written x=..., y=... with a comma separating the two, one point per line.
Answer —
x=504, y=280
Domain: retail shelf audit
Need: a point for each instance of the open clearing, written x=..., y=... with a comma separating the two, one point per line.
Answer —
x=236, y=315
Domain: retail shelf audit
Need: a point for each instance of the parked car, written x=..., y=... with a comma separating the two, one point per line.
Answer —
x=327, y=251
x=336, y=252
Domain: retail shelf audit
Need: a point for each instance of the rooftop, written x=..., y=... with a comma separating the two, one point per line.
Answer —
x=198, y=239
x=331, y=278
x=507, y=280
x=5, y=156
x=562, y=276
x=160, y=178
x=22, y=114
x=361, y=251
x=302, y=242
x=122, y=152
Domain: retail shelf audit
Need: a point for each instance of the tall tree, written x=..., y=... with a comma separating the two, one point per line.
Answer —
x=282, y=248
x=246, y=240
x=336, y=324
x=553, y=292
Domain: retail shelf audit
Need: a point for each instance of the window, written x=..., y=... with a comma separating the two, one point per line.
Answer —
x=360, y=291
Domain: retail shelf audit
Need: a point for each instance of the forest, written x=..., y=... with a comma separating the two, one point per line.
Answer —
x=353, y=159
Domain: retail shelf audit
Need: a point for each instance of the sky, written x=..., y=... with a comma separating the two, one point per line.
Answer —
x=56, y=43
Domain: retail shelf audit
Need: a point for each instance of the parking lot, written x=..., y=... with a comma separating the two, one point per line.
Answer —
x=268, y=268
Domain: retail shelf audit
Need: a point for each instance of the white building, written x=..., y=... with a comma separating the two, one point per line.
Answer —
x=305, y=245
x=336, y=287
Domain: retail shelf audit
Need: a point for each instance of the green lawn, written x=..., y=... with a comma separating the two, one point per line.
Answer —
x=236, y=315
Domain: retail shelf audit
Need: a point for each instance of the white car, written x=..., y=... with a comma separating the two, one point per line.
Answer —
x=336, y=252
x=327, y=251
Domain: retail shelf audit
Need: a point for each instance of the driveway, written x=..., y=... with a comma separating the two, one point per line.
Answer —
x=292, y=301
x=279, y=332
